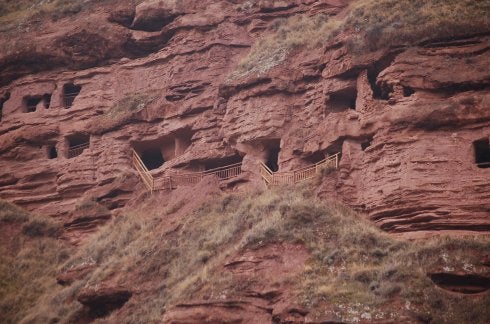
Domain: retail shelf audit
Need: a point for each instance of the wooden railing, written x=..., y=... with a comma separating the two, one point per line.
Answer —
x=77, y=149
x=175, y=180
x=222, y=173
x=69, y=98
x=292, y=177
x=145, y=175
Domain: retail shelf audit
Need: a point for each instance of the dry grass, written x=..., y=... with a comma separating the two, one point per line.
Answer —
x=384, y=23
x=122, y=111
x=371, y=25
x=353, y=265
x=287, y=35
x=29, y=258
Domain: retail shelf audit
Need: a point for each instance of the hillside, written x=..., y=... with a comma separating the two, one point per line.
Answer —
x=228, y=161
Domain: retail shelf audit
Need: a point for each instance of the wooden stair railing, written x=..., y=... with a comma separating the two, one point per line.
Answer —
x=144, y=173
x=222, y=173
x=292, y=177
x=77, y=149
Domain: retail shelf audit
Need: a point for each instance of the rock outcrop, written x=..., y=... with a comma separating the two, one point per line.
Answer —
x=411, y=123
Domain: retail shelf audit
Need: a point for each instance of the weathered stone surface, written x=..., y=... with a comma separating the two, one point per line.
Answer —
x=103, y=299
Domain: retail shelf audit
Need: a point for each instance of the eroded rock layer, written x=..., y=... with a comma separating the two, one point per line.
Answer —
x=412, y=124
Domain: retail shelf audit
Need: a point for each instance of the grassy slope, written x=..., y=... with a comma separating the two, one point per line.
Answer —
x=29, y=258
x=354, y=268
x=371, y=25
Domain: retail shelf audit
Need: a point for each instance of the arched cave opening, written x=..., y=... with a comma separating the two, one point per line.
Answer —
x=152, y=158
x=273, y=149
x=77, y=143
x=70, y=92
x=52, y=152
x=219, y=163
x=342, y=100
x=482, y=152
x=3, y=99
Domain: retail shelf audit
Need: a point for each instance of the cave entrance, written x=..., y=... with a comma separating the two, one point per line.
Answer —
x=77, y=143
x=342, y=100
x=482, y=152
x=3, y=99
x=70, y=92
x=220, y=163
x=30, y=103
x=152, y=158
x=52, y=152
x=273, y=148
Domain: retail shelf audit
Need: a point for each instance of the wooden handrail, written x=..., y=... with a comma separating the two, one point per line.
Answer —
x=143, y=171
x=77, y=149
x=174, y=180
x=292, y=177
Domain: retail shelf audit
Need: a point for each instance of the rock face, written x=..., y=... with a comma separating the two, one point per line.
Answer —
x=412, y=124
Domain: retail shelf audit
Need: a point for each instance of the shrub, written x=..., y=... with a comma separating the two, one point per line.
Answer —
x=382, y=23
x=38, y=227
x=122, y=111
x=10, y=213
x=370, y=25
x=287, y=35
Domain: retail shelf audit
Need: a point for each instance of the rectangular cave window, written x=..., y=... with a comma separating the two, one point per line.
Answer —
x=219, y=165
x=70, y=92
x=482, y=152
x=77, y=143
x=31, y=103
x=52, y=152
x=342, y=100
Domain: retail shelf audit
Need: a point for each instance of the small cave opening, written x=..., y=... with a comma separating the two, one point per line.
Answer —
x=482, y=152
x=365, y=143
x=152, y=158
x=220, y=163
x=3, y=99
x=463, y=284
x=52, y=152
x=30, y=103
x=342, y=100
x=77, y=143
x=316, y=157
x=152, y=23
x=70, y=92
x=408, y=91
x=273, y=148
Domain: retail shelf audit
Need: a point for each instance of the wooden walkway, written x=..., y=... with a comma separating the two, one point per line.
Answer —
x=175, y=180
x=292, y=177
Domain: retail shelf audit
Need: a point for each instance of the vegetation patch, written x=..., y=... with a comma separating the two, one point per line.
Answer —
x=121, y=112
x=29, y=260
x=355, y=271
x=370, y=25
x=287, y=35
x=383, y=23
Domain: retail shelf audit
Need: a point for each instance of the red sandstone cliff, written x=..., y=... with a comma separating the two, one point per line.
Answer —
x=185, y=85
x=408, y=120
